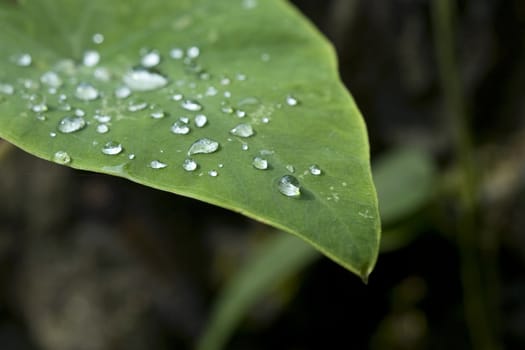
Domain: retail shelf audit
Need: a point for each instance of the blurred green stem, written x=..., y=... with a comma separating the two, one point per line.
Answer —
x=481, y=329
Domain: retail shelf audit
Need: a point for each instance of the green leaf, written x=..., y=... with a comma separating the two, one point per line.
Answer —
x=252, y=56
x=281, y=257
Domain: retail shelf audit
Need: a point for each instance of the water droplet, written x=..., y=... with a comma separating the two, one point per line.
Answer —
x=190, y=105
x=39, y=107
x=240, y=113
x=315, y=170
x=289, y=186
x=7, y=89
x=211, y=91
x=61, y=157
x=52, y=134
x=213, y=173
x=102, y=128
x=260, y=163
x=155, y=164
x=266, y=152
x=112, y=148
x=290, y=168
x=71, y=124
x=265, y=57
x=227, y=94
x=200, y=120
x=141, y=79
x=185, y=119
x=91, y=58
x=244, y=147
x=180, y=127
x=150, y=59
x=41, y=117
x=291, y=101
x=225, y=81
x=203, y=145
x=227, y=109
x=176, y=53
x=79, y=112
x=241, y=76
x=23, y=60
x=131, y=156
x=158, y=114
x=51, y=79
x=265, y=120
x=98, y=38
x=86, y=92
x=122, y=92
x=136, y=106
x=102, y=118
x=242, y=130
x=189, y=164
x=249, y=4
x=102, y=74
x=177, y=97
x=193, y=52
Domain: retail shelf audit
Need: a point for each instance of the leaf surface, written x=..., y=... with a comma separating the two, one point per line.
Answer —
x=256, y=63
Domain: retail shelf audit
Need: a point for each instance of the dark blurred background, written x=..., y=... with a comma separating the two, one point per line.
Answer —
x=92, y=262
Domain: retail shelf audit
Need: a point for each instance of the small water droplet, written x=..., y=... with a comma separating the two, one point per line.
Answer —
x=260, y=163
x=176, y=53
x=112, y=148
x=240, y=113
x=289, y=186
x=52, y=134
x=249, y=4
x=242, y=130
x=213, y=173
x=158, y=114
x=226, y=108
x=265, y=57
x=193, y=52
x=102, y=74
x=102, y=118
x=227, y=94
x=51, y=79
x=39, y=107
x=180, y=127
x=244, y=146
x=98, y=38
x=211, y=91
x=122, y=92
x=79, y=112
x=155, y=164
x=91, y=58
x=265, y=120
x=291, y=101
x=241, y=76
x=23, y=60
x=185, y=119
x=131, y=156
x=150, y=59
x=71, y=124
x=102, y=128
x=7, y=89
x=136, y=106
x=41, y=117
x=140, y=79
x=200, y=120
x=290, y=168
x=203, y=145
x=315, y=170
x=191, y=105
x=61, y=157
x=225, y=81
x=86, y=92
x=177, y=97
x=189, y=164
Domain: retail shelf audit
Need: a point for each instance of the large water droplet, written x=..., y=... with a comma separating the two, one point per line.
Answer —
x=260, y=163
x=86, y=92
x=91, y=58
x=23, y=60
x=203, y=145
x=7, y=89
x=242, y=130
x=190, y=105
x=112, y=148
x=200, y=120
x=189, y=164
x=141, y=79
x=51, y=79
x=180, y=127
x=315, y=170
x=289, y=186
x=150, y=59
x=71, y=124
x=155, y=164
x=61, y=157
